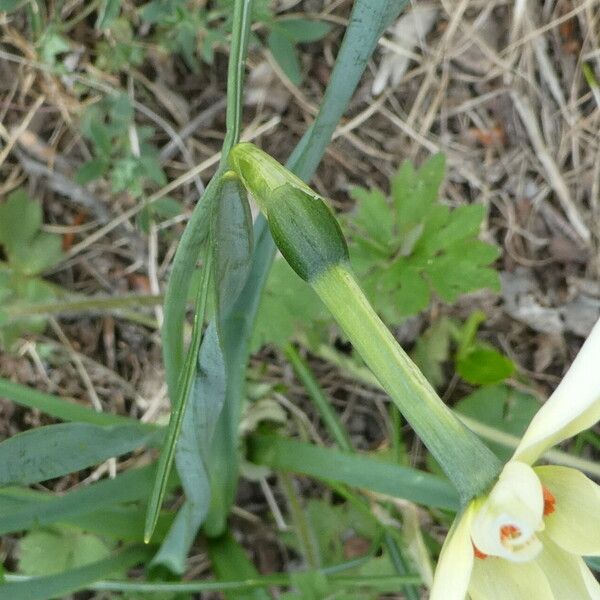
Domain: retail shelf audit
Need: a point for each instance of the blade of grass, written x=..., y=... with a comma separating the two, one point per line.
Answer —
x=311, y=385
x=179, y=406
x=368, y=21
x=60, y=408
x=382, y=583
x=355, y=470
x=56, y=450
x=77, y=305
x=63, y=584
x=121, y=522
x=43, y=509
x=302, y=526
x=229, y=561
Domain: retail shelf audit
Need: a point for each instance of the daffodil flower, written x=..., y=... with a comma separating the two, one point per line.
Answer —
x=525, y=539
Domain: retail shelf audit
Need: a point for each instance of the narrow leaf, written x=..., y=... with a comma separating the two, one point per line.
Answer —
x=284, y=52
x=32, y=509
x=230, y=562
x=63, y=584
x=356, y=470
x=55, y=450
x=179, y=408
x=60, y=408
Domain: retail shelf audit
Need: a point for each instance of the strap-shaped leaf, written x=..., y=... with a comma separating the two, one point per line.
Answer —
x=56, y=450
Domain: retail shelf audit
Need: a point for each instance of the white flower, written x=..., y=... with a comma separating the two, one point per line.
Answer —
x=525, y=539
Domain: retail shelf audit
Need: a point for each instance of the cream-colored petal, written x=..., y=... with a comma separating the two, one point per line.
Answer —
x=575, y=523
x=563, y=571
x=573, y=407
x=499, y=579
x=453, y=572
x=515, y=504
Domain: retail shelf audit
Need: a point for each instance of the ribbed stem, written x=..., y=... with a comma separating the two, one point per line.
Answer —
x=467, y=462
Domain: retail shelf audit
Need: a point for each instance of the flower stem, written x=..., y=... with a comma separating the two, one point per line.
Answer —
x=469, y=464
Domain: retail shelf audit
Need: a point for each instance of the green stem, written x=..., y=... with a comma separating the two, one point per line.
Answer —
x=242, y=15
x=348, y=366
x=469, y=464
x=329, y=416
x=304, y=531
x=390, y=582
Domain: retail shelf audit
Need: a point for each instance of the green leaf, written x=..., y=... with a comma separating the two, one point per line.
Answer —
x=108, y=11
x=45, y=509
x=405, y=249
x=372, y=214
x=484, y=366
x=230, y=562
x=10, y=5
x=501, y=407
x=51, y=45
x=60, y=408
x=165, y=208
x=414, y=192
x=56, y=549
x=304, y=30
x=43, y=252
x=288, y=307
x=284, y=52
x=312, y=585
x=333, y=524
x=29, y=251
x=90, y=170
x=20, y=220
x=356, y=470
x=56, y=450
x=63, y=584
x=432, y=350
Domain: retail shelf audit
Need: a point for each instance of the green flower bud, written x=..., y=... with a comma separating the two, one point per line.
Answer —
x=303, y=227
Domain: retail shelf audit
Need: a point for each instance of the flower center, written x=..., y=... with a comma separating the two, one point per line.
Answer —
x=510, y=533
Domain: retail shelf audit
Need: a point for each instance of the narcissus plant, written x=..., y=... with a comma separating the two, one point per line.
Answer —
x=523, y=529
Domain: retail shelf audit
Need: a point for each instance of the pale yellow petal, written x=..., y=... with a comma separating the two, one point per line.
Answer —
x=499, y=579
x=453, y=572
x=573, y=407
x=564, y=572
x=575, y=523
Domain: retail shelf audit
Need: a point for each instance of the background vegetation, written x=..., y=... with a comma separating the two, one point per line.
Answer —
x=466, y=173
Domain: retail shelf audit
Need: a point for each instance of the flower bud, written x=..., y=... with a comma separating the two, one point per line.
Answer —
x=302, y=225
